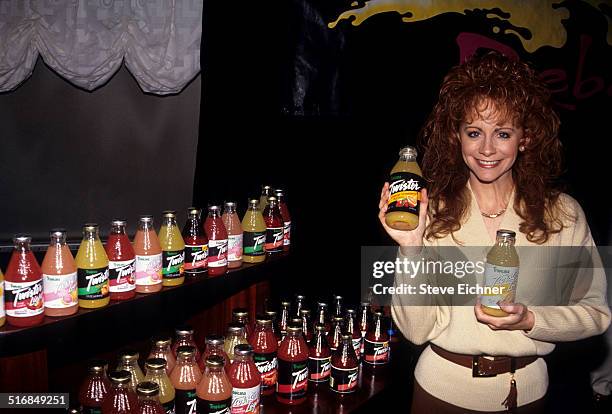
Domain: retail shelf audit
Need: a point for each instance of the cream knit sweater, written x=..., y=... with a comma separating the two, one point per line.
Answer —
x=456, y=329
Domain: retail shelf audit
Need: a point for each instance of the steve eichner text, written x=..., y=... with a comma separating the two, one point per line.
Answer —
x=413, y=267
x=425, y=289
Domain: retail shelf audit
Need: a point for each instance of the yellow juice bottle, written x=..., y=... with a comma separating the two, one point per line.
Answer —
x=254, y=238
x=173, y=251
x=92, y=270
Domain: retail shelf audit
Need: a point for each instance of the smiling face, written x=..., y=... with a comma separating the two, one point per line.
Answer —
x=490, y=143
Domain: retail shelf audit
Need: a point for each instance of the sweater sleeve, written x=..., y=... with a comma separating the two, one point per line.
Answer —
x=587, y=312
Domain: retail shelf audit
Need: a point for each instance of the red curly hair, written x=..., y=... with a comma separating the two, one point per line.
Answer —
x=517, y=95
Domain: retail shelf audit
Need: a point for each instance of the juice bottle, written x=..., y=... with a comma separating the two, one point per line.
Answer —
x=128, y=361
x=155, y=369
x=266, y=191
x=121, y=398
x=161, y=349
x=351, y=327
x=245, y=380
x=501, y=272
x=234, y=235
x=185, y=378
x=265, y=346
x=173, y=251
x=299, y=304
x=272, y=315
x=376, y=342
x=254, y=228
x=2, y=313
x=284, y=319
x=319, y=356
x=338, y=311
x=23, y=286
x=344, y=367
x=335, y=334
x=121, y=262
x=92, y=269
x=235, y=336
x=196, y=244
x=306, y=326
x=364, y=322
x=184, y=337
x=148, y=398
x=292, y=367
x=59, y=277
x=217, y=242
x=322, y=316
x=405, y=184
x=148, y=252
x=214, y=392
x=241, y=315
x=274, y=227
x=214, y=346
x=284, y=210
x=94, y=389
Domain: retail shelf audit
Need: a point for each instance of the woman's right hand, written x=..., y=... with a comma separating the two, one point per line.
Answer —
x=405, y=238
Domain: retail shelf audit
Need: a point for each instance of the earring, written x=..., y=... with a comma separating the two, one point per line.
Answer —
x=522, y=148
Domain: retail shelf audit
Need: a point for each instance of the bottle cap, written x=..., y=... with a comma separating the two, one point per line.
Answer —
x=253, y=203
x=214, y=340
x=285, y=303
x=319, y=327
x=129, y=355
x=271, y=314
x=162, y=341
x=263, y=319
x=408, y=151
x=377, y=313
x=300, y=298
x=337, y=297
x=147, y=389
x=169, y=213
x=305, y=312
x=146, y=218
x=240, y=312
x=365, y=304
x=272, y=199
x=322, y=304
x=155, y=363
x=57, y=233
x=338, y=319
x=350, y=312
x=265, y=189
x=185, y=350
x=347, y=335
x=506, y=233
x=296, y=321
x=235, y=328
x=213, y=208
x=243, y=350
x=230, y=205
x=184, y=330
x=96, y=366
x=90, y=227
x=193, y=211
x=294, y=327
x=118, y=222
x=120, y=377
x=214, y=361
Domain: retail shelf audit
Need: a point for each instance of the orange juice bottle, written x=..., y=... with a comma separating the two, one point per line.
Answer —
x=92, y=269
x=2, y=313
x=173, y=251
x=148, y=257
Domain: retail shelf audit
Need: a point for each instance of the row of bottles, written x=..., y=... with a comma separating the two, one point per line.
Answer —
x=121, y=269
x=234, y=372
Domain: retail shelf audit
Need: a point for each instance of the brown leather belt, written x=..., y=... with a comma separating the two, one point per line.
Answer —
x=485, y=367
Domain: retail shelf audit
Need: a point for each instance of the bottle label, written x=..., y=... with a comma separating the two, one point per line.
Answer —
x=121, y=275
x=245, y=400
x=185, y=401
x=148, y=269
x=93, y=283
x=254, y=242
x=343, y=380
x=92, y=410
x=23, y=299
x=319, y=369
x=357, y=345
x=376, y=353
x=292, y=379
x=217, y=253
x=274, y=239
x=196, y=257
x=214, y=407
x=267, y=365
x=405, y=190
x=169, y=407
x=60, y=291
x=234, y=248
x=173, y=263
x=502, y=277
x=286, y=233
x=2, y=314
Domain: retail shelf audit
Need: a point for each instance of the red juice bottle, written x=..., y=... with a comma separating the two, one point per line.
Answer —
x=344, y=367
x=217, y=242
x=364, y=322
x=265, y=346
x=275, y=328
x=322, y=316
x=23, y=286
x=376, y=342
x=94, y=389
x=284, y=210
x=299, y=304
x=292, y=367
x=338, y=305
x=121, y=398
x=196, y=244
x=284, y=319
x=351, y=327
x=241, y=315
x=274, y=227
x=121, y=262
x=334, y=338
x=306, y=326
x=185, y=378
x=148, y=398
x=319, y=356
x=246, y=381
x=184, y=337
x=161, y=349
x=214, y=346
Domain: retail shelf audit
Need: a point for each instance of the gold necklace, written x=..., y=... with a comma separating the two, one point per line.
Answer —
x=494, y=215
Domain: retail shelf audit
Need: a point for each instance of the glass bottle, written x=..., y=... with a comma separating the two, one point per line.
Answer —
x=266, y=191
x=319, y=356
x=184, y=337
x=92, y=269
x=254, y=228
x=344, y=367
x=284, y=210
x=148, y=398
x=299, y=304
x=60, y=282
x=245, y=380
x=121, y=398
x=351, y=327
x=292, y=367
x=214, y=346
x=121, y=262
x=196, y=244
x=273, y=317
x=94, y=389
x=376, y=342
x=155, y=369
x=214, y=392
x=128, y=361
x=265, y=346
x=217, y=242
x=241, y=315
x=274, y=227
x=185, y=377
x=322, y=316
x=335, y=335
x=148, y=252
x=501, y=272
x=338, y=310
x=161, y=349
x=405, y=184
x=364, y=322
x=284, y=319
x=173, y=250
x=234, y=235
x=235, y=336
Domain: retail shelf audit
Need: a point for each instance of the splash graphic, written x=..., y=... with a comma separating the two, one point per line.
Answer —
x=536, y=23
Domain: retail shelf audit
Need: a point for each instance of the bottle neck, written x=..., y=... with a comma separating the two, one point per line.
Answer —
x=145, y=225
x=118, y=230
x=148, y=399
x=90, y=235
x=58, y=240
x=170, y=221
x=407, y=157
x=214, y=371
x=156, y=372
x=186, y=360
x=243, y=358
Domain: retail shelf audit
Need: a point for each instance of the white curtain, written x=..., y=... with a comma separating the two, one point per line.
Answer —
x=85, y=41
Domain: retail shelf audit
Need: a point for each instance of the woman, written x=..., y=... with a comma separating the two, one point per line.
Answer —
x=491, y=155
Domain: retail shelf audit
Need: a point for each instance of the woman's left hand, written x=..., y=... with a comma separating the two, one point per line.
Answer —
x=519, y=317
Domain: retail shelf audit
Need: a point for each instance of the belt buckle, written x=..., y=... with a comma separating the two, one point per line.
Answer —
x=477, y=370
